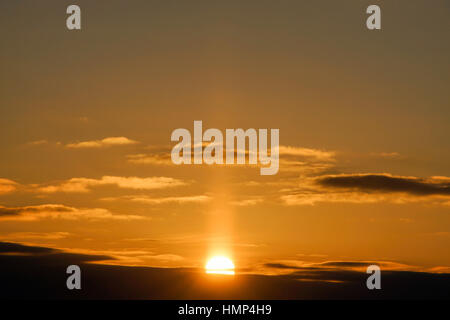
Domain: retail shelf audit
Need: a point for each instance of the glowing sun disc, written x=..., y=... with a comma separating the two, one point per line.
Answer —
x=220, y=265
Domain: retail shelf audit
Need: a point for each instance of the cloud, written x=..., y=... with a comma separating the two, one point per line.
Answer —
x=50, y=255
x=387, y=155
x=142, y=183
x=163, y=200
x=388, y=183
x=313, y=197
x=16, y=248
x=7, y=186
x=153, y=159
x=361, y=266
x=84, y=184
x=37, y=235
x=58, y=211
x=306, y=161
x=106, y=142
x=37, y=142
x=369, y=188
x=247, y=202
x=307, y=153
x=134, y=257
x=183, y=200
x=304, y=167
x=168, y=257
x=292, y=159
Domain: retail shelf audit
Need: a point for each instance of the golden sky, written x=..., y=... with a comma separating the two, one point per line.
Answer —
x=86, y=119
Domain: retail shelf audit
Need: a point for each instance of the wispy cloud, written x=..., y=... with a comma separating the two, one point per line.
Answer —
x=36, y=235
x=37, y=142
x=312, y=197
x=133, y=256
x=307, y=153
x=299, y=267
x=7, y=186
x=106, y=142
x=153, y=159
x=58, y=211
x=84, y=184
x=247, y=202
x=300, y=160
x=162, y=200
x=387, y=155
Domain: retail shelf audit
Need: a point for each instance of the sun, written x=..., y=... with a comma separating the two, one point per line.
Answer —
x=220, y=265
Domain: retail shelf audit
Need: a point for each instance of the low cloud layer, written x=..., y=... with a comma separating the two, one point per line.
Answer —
x=361, y=266
x=40, y=273
x=58, y=211
x=50, y=254
x=36, y=235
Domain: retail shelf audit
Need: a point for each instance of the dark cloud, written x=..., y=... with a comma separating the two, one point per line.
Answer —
x=280, y=266
x=41, y=274
x=17, y=211
x=9, y=247
x=289, y=267
x=387, y=183
x=23, y=253
x=323, y=265
x=347, y=264
x=59, y=211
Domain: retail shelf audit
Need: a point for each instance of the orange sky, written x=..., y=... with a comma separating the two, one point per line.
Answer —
x=86, y=119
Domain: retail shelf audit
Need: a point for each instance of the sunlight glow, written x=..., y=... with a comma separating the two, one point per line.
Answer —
x=220, y=265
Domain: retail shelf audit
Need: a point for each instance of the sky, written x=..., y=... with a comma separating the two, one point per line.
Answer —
x=87, y=116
